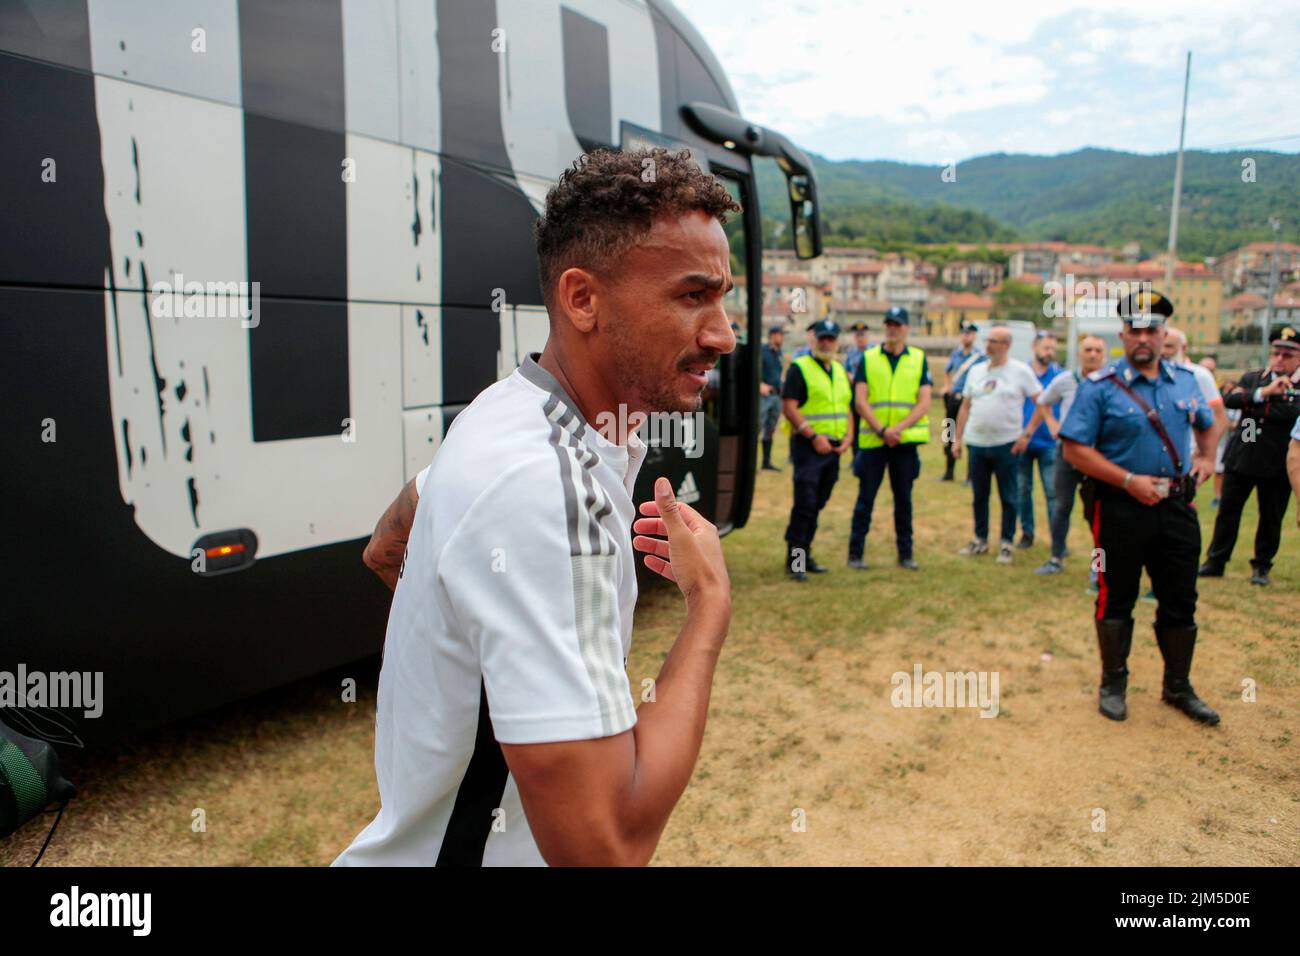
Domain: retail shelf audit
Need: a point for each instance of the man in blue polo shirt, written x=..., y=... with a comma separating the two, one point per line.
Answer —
x=1139, y=493
x=811, y=335
x=1038, y=444
x=769, y=388
x=853, y=354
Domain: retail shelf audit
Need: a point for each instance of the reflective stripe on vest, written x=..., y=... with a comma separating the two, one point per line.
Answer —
x=829, y=397
x=893, y=393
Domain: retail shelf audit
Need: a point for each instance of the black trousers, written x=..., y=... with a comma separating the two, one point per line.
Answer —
x=814, y=478
x=1164, y=538
x=1272, y=494
x=870, y=464
x=951, y=406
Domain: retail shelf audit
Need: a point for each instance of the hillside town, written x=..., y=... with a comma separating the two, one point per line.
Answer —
x=1220, y=300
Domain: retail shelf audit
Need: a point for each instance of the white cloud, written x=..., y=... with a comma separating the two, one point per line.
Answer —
x=850, y=79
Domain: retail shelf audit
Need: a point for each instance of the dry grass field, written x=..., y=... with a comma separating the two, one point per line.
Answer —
x=802, y=726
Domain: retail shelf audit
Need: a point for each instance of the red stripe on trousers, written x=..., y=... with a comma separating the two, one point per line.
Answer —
x=1096, y=543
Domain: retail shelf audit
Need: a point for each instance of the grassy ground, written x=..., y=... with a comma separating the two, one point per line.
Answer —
x=802, y=727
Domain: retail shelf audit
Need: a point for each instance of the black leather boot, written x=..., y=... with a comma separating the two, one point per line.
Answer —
x=796, y=564
x=1114, y=640
x=1176, y=646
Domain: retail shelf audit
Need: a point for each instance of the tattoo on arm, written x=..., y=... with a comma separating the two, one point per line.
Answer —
x=386, y=552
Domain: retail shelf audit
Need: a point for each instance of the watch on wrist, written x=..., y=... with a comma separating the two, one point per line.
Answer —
x=1127, y=478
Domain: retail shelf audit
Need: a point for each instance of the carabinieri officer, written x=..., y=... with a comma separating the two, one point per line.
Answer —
x=1128, y=432
x=816, y=400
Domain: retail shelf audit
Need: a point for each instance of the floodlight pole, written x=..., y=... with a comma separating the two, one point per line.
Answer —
x=1178, y=186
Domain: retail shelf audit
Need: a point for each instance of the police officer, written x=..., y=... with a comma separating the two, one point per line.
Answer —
x=811, y=332
x=954, y=375
x=769, y=400
x=1128, y=433
x=1269, y=400
x=816, y=400
x=892, y=396
x=853, y=354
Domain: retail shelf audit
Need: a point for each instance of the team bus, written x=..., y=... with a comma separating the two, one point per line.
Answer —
x=257, y=255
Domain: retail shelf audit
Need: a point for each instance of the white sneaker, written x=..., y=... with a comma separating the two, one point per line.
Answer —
x=1005, y=554
x=976, y=546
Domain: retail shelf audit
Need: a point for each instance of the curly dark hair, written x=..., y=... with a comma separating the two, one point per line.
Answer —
x=608, y=200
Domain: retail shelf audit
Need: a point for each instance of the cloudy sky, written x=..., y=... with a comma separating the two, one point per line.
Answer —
x=933, y=82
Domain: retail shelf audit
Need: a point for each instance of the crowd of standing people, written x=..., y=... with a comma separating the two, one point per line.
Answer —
x=1134, y=438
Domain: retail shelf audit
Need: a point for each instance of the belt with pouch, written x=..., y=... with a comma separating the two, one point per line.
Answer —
x=1182, y=488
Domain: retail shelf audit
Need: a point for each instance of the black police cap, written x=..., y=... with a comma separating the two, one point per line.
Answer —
x=1144, y=308
x=1285, y=336
x=858, y=327
x=826, y=328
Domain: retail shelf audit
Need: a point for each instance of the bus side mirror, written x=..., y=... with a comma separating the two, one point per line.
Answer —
x=803, y=217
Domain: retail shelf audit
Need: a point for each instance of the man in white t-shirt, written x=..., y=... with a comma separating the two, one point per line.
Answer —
x=990, y=421
x=1175, y=351
x=506, y=732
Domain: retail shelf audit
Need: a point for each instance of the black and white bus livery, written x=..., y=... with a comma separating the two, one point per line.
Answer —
x=257, y=254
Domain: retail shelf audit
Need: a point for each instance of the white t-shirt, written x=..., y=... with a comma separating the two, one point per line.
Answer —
x=1205, y=379
x=511, y=623
x=1061, y=389
x=997, y=401
x=1210, y=390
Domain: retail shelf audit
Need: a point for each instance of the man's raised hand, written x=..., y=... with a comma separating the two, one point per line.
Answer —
x=681, y=545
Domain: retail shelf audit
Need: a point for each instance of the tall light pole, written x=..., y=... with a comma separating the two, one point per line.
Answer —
x=1178, y=185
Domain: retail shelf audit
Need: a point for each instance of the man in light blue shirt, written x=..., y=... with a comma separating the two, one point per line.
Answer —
x=1293, y=467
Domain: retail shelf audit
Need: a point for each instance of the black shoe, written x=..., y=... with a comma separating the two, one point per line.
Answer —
x=1191, y=705
x=796, y=564
x=857, y=564
x=768, y=466
x=948, y=477
x=1177, y=645
x=1026, y=541
x=1210, y=570
x=1260, y=577
x=1114, y=640
x=814, y=567
x=909, y=563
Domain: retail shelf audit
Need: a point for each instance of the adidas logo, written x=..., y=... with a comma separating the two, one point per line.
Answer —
x=688, y=491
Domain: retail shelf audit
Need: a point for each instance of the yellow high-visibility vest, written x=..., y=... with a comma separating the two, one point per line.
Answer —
x=892, y=393
x=829, y=397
